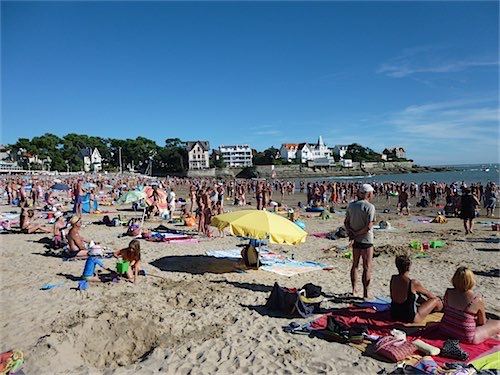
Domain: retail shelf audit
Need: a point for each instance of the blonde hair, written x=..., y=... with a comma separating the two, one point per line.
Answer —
x=463, y=279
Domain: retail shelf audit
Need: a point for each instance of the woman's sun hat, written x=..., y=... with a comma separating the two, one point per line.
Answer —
x=74, y=219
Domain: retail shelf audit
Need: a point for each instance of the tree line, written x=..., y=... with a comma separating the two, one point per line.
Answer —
x=63, y=154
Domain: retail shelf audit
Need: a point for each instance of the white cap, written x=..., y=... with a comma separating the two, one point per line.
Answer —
x=366, y=188
x=58, y=214
x=95, y=250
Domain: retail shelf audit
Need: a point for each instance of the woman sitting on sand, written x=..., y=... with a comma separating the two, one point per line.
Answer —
x=59, y=225
x=464, y=312
x=28, y=225
x=405, y=305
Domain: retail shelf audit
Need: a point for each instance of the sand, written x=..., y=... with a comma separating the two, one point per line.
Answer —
x=194, y=314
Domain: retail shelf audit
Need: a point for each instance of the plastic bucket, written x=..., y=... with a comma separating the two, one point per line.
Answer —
x=122, y=266
x=415, y=245
x=435, y=244
x=425, y=246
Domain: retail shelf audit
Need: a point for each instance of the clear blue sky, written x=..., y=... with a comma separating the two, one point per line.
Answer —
x=422, y=75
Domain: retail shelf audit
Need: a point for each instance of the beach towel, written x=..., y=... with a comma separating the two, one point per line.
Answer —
x=425, y=220
x=292, y=267
x=228, y=254
x=432, y=335
x=489, y=360
x=168, y=237
x=11, y=362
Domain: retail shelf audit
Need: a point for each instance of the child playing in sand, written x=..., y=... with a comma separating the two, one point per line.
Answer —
x=132, y=254
x=91, y=262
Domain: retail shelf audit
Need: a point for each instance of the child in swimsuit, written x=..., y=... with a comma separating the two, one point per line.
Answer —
x=132, y=253
x=404, y=305
x=464, y=312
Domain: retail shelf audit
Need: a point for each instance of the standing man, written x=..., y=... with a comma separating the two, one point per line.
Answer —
x=358, y=222
x=79, y=192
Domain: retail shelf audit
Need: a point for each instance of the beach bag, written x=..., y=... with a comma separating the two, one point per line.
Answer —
x=288, y=302
x=394, y=349
x=341, y=233
x=250, y=256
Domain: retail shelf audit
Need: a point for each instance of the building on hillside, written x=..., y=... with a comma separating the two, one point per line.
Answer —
x=340, y=150
x=198, y=157
x=92, y=159
x=321, y=151
x=395, y=152
x=304, y=153
x=288, y=151
x=236, y=156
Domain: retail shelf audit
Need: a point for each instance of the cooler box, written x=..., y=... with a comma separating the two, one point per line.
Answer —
x=122, y=266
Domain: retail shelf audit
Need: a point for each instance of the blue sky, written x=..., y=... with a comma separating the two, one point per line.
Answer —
x=422, y=75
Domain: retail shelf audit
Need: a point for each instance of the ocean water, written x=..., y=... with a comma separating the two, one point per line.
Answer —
x=469, y=174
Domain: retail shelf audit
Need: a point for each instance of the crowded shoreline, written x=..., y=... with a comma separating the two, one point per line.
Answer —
x=194, y=313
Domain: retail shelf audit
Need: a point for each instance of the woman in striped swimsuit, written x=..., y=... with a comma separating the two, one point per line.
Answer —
x=464, y=312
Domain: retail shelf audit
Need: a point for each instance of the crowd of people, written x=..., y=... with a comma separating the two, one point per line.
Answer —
x=464, y=312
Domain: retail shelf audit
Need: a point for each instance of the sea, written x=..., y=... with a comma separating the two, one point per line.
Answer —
x=468, y=173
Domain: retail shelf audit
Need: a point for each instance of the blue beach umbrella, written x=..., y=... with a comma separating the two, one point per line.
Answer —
x=60, y=187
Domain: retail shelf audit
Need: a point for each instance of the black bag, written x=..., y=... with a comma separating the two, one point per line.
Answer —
x=311, y=290
x=288, y=302
x=341, y=233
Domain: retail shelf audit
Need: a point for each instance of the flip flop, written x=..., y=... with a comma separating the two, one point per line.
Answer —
x=50, y=286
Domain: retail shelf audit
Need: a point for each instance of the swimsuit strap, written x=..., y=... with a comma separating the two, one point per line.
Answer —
x=409, y=287
x=470, y=303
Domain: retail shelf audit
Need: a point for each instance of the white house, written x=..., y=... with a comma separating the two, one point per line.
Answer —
x=320, y=150
x=236, y=156
x=340, y=150
x=92, y=159
x=288, y=151
x=198, y=157
x=305, y=153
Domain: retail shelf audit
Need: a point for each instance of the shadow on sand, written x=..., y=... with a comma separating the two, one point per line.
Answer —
x=195, y=264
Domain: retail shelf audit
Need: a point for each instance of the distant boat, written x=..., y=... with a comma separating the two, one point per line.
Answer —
x=486, y=169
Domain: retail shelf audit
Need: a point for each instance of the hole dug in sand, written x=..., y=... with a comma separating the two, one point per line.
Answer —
x=105, y=341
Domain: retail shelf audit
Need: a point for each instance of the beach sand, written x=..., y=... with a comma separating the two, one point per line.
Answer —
x=194, y=314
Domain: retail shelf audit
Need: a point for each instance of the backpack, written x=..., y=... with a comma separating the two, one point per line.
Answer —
x=250, y=256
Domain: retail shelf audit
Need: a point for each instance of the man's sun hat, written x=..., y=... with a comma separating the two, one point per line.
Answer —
x=366, y=188
x=74, y=219
x=58, y=214
x=95, y=250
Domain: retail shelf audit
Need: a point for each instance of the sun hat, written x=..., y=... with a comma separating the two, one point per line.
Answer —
x=366, y=188
x=58, y=214
x=74, y=219
x=95, y=250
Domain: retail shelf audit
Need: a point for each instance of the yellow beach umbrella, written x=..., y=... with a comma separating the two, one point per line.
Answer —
x=260, y=225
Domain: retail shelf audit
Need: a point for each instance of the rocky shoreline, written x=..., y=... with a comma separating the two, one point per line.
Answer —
x=305, y=172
